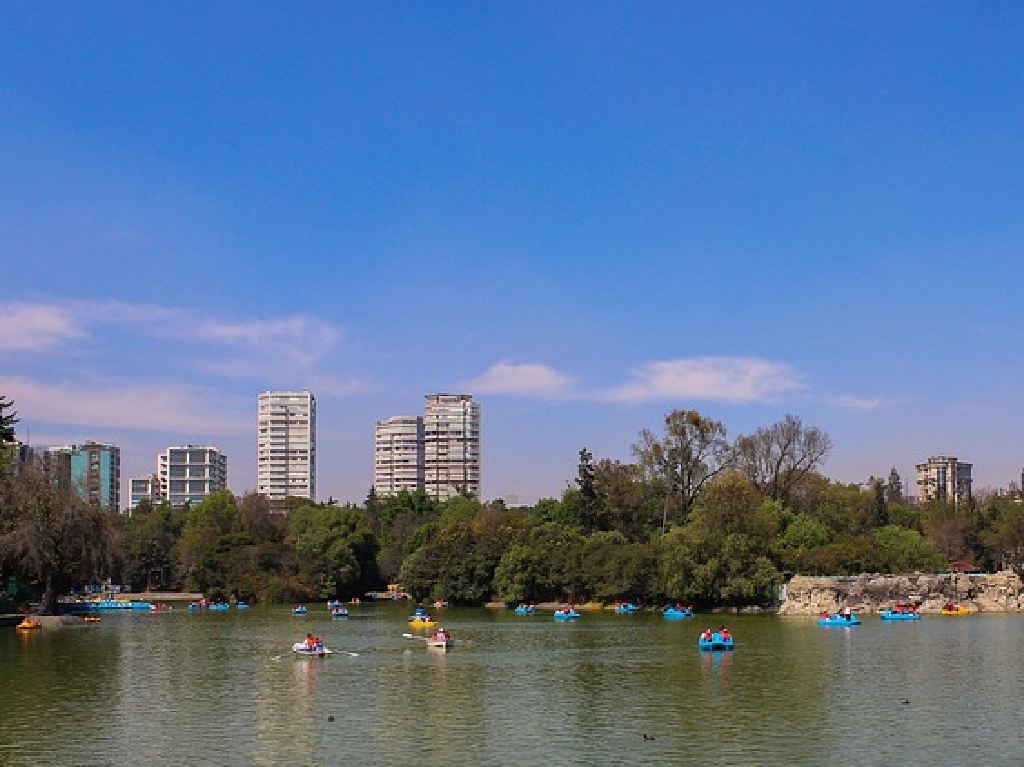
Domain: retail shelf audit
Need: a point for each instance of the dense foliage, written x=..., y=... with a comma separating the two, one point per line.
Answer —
x=697, y=519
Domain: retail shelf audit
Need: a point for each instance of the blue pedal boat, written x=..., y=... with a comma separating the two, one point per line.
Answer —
x=676, y=613
x=626, y=608
x=300, y=610
x=840, y=621
x=220, y=607
x=892, y=615
x=339, y=612
x=566, y=615
x=524, y=610
x=716, y=643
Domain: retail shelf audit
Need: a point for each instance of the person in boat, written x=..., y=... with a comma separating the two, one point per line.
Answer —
x=309, y=641
x=707, y=636
x=845, y=612
x=725, y=634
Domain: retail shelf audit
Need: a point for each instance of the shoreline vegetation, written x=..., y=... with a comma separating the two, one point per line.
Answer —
x=694, y=518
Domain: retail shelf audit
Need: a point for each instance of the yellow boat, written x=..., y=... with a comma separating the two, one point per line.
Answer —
x=91, y=619
x=422, y=622
x=955, y=610
x=28, y=624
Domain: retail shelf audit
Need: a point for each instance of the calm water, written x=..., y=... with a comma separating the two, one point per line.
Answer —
x=188, y=688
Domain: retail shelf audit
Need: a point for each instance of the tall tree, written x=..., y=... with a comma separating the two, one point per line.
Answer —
x=51, y=535
x=779, y=457
x=692, y=451
x=587, y=491
x=894, y=487
x=7, y=420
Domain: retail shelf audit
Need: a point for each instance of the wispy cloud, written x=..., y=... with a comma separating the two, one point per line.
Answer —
x=168, y=408
x=301, y=340
x=258, y=349
x=854, y=402
x=727, y=379
x=530, y=379
x=35, y=326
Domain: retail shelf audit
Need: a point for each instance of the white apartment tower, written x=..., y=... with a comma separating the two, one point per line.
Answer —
x=451, y=446
x=398, y=455
x=286, y=452
x=190, y=473
x=944, y=478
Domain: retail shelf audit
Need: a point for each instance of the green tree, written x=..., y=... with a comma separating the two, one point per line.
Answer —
x=779, y=457
x=545, y=565
x=588, y=502
x=692, y=452
x=722, y=555
x=338, y=546
x=52, y=536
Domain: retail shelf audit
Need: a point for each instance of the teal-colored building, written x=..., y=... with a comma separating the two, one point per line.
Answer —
x=92, y=470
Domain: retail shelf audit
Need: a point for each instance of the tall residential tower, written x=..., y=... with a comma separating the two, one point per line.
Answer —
x=944, y=478
x=398, y=455
x=286, y=445
x=451, y=442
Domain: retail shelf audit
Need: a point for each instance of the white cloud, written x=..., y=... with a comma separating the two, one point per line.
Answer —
x=168, y=408
x=35, y=326
x=302, y=339
x=854, y=402
x=728, y=379
x=521, y=378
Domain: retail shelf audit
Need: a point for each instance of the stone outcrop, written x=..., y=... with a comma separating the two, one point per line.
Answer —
x=868, y=593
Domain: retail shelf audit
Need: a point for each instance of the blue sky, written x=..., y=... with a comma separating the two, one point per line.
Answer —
x=586, y=215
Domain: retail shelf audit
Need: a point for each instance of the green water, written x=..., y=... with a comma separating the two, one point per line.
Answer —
x=222, y=688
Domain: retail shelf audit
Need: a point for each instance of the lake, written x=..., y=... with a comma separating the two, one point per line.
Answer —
x=185, y=688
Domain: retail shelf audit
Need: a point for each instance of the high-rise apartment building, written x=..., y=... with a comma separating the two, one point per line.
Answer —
x=189, y=473
x=944, y=478
x=143, y=489
x=451, y=442
x=92, y=470
x=398, y=455
x=286, y=445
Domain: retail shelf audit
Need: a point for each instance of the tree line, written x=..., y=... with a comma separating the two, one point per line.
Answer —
x=694, y=517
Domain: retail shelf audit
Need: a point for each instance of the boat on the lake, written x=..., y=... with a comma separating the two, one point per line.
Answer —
x=316, y=650
x=420, y=619
x=525, y=609
x=332, y=603
x=901, y=612
x=566, y=614
x=300, y=610
x=159, y=607
x=841, y=619
x=339, y=612
x=28, y=624
x=677, y=613
x=955, y=610
x=91, y=618
x=242, y=605
x=441, y=640
x=715, y=641
x=626, y=608
x=220, y=607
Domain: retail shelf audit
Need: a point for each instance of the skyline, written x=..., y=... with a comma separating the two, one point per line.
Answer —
x=585, y=219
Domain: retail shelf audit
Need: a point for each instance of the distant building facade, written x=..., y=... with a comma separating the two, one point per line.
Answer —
x=286, y=445
x=143, y=489
x=398, y=455
x=190, y=473
x=451, y=442
x=91, y=470
x=944, y=478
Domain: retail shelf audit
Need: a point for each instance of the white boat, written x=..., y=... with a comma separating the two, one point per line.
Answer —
x=441, y=641
x=299, y=648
